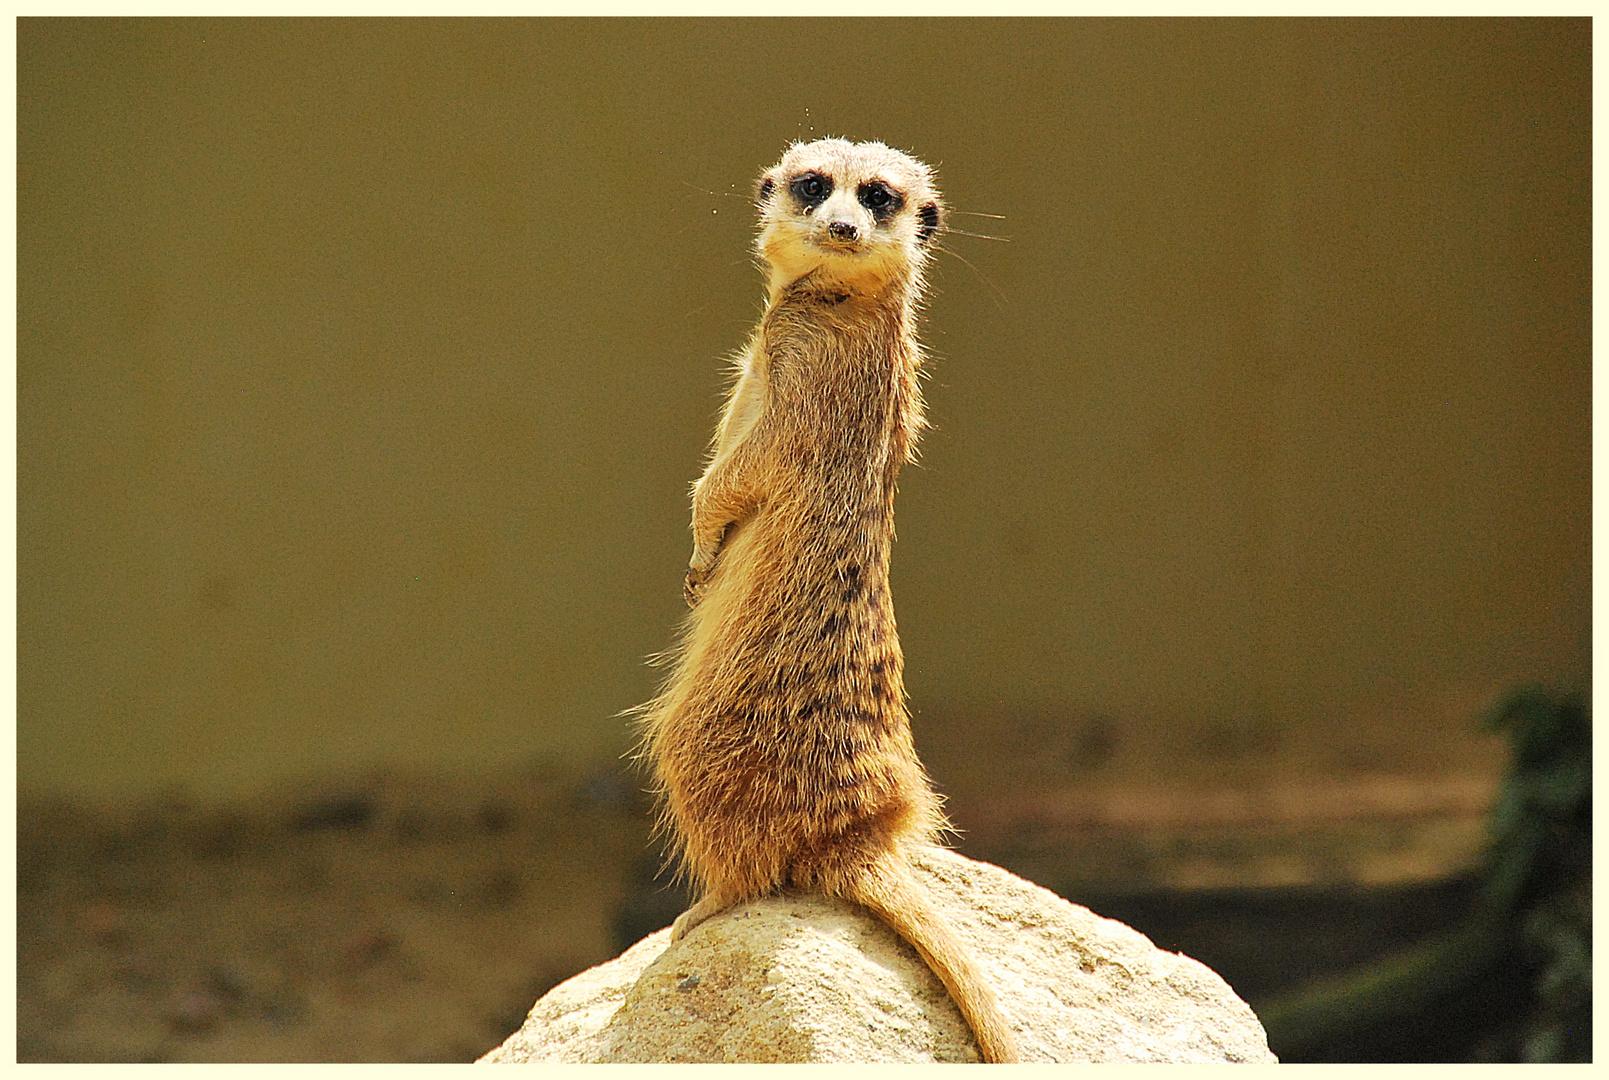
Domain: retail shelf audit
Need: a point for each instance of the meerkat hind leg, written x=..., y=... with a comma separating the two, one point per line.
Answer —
x=687, y=920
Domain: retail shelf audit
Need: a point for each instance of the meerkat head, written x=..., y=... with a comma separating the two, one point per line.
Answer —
x=854, y=216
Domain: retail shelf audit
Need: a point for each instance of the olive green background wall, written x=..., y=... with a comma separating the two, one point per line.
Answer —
x=364, y=366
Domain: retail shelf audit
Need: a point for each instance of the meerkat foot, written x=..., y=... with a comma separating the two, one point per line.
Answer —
x=694, y=915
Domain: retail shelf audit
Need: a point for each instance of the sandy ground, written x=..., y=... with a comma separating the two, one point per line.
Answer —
x=390, y=921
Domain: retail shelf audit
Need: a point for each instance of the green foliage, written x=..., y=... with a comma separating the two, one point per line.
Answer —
x=1530, y=925
x=1541, y=873
x=1541, y=821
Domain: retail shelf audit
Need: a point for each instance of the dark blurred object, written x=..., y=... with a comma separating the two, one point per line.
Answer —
x=1513, y=982
x=338, y=812
x=655, y=895
x=1266, y=941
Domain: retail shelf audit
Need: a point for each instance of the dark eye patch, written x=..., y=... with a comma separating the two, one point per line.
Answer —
x=882, y=200
x=811, y=189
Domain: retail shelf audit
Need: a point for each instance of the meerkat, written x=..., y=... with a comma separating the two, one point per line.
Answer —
x=780, y=741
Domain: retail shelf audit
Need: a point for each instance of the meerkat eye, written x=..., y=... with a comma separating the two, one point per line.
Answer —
x=811, y=188
x=879, y=198
x=874, y=196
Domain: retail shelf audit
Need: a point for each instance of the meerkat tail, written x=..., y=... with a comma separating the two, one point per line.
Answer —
x=890, y=889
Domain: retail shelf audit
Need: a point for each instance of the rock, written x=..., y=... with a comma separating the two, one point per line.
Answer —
x=798, y=978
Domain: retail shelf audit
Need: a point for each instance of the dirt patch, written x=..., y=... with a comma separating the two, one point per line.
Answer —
x=386, y=921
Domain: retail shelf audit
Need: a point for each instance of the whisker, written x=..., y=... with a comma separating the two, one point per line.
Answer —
x=1001, y=302
x=978, y=235
x=979, y=213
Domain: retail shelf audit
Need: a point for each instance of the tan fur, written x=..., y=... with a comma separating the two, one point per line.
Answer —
x=780, y=742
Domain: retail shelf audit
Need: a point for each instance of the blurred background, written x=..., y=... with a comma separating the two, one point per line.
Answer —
x=364, y=366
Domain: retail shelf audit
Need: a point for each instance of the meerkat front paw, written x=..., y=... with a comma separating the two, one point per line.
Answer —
x=699, y=569
x=693, y=585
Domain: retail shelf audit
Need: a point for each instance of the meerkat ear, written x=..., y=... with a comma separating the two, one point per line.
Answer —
x=931, y=215
x=763, y=190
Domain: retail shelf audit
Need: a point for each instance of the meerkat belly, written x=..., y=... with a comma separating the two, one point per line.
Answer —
x=794, y=732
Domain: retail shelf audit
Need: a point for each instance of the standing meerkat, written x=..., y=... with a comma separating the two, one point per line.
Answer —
x=780, y=742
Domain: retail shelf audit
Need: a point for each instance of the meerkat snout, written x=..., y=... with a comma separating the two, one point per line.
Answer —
x=839, y=219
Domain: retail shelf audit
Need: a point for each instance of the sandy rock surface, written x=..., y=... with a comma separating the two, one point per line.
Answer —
x=806, y=979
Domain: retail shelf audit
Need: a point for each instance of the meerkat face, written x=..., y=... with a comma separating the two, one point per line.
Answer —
x=853, y=215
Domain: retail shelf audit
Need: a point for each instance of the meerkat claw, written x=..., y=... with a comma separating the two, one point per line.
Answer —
x=693, y=585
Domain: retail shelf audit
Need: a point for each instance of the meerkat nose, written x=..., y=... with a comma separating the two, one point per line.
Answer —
x=843, y=231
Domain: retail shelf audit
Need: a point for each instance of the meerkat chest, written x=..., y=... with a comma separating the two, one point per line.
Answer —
x=838, y=396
